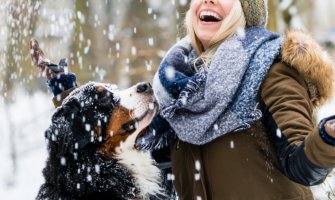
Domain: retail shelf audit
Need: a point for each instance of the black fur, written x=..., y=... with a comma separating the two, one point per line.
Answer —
x=74, y=170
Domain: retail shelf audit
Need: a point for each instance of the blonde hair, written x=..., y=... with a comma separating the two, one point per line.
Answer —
x=229, y=27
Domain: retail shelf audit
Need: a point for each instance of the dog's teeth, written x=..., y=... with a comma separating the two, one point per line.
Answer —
x=151, y=106
x=111, y=133
x=76, y=145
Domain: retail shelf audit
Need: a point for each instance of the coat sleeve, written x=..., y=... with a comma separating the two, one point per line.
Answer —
x=302, y=154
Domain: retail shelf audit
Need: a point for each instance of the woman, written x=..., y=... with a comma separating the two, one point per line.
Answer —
x=243, y=111
x=241, y=101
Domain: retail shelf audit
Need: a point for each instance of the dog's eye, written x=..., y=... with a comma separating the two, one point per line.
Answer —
x=130, y=127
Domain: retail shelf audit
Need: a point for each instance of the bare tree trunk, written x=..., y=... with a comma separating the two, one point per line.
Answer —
x=306, y=9
x=126, y=39
x=82, y=31
x=287, y=15
x=12, y=53
x=12, y=150
x=20, y=26
x=181, y=12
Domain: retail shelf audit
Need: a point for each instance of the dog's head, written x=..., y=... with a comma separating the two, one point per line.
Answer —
x=101, y=116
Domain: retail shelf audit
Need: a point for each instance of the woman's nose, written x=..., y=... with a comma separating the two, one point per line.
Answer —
x=209, y=2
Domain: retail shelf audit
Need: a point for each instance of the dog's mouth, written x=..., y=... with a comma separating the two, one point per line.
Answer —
x=142, y=106
x=141, y=117
x=144, y=110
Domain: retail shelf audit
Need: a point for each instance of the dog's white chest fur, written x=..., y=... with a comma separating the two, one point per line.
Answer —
x=142, y=167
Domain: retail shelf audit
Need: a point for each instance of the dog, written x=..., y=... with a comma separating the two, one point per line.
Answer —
x=91, y=144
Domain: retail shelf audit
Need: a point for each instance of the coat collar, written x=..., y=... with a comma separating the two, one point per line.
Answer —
x=304, y=54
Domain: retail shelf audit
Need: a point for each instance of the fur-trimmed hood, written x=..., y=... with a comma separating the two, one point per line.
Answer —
x=300, y=51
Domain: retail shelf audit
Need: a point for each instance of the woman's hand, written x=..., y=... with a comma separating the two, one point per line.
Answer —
x=330, y=127
x=48, y=69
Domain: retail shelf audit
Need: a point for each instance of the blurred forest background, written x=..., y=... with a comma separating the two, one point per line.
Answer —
x=117, y=41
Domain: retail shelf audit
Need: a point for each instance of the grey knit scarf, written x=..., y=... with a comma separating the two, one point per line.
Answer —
x=205, y=104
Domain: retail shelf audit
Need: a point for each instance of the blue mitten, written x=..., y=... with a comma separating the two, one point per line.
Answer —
x=62, y=82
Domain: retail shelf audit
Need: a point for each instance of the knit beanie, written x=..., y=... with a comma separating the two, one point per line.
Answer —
x=255, y=11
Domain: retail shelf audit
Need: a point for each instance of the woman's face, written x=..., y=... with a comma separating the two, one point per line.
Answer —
x=208, y=16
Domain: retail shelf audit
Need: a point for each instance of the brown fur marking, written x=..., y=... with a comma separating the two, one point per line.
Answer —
x=114, y=133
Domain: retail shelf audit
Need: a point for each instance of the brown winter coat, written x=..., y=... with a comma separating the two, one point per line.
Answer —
x=256, y=163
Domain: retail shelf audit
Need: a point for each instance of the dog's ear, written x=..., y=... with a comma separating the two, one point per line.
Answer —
x=66, y=124
x=81, y=137
x=105, y=97
x=86, y=126
x=71, y=111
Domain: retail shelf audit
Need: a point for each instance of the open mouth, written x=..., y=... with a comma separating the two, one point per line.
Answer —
x=142, y=117
x=209, y=16
x=152, y=109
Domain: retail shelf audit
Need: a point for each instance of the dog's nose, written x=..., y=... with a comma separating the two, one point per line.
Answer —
x=144, y=87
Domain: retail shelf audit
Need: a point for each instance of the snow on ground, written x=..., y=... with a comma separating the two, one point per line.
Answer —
x=30, y=116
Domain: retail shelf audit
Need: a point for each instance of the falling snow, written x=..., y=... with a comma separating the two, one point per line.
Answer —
x=170, y=177
x=170, y=73
x=111, y=46
x=197, y=176
x=63, y=161
x=278, y=133
x=232, y=144
x=197, y=165
x=151, y=41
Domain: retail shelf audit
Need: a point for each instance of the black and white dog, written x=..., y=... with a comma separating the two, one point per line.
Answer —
x=91, y=143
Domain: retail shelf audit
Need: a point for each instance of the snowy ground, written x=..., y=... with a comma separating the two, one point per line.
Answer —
x=30, y=116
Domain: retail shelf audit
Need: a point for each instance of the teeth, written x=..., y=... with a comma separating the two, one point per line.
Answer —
x=209, y=13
